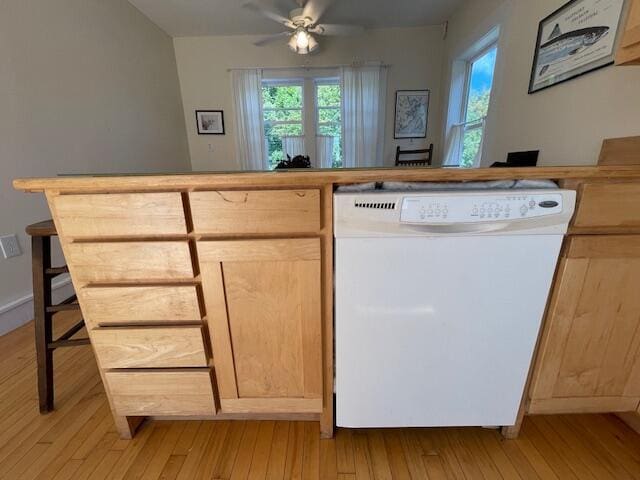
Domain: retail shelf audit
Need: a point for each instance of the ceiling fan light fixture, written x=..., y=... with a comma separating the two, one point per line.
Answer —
x=302, y=42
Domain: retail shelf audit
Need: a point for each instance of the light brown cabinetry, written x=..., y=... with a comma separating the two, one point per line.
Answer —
x=263, y=302
x=629, y=47
x=608, y=207
x=589, y=356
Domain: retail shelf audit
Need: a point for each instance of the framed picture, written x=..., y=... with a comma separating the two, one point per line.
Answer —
x=210, y=122
x=577, y=38
x=412, y=112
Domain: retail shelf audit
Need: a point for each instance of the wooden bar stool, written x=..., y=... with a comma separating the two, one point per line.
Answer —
x=44, y=309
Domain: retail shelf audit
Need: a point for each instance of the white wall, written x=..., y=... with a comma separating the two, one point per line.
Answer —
x=567, y=122
x=85, y=86
x=415, y=56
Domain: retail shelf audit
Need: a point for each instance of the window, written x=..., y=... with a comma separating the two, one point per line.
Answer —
x=329, y=116
x=283, y=109
x=289, y=127
x=472, y=78
x=479, y=84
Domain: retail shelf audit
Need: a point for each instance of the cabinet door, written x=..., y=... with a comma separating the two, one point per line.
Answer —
x=262, y=299
x=589, y=357
x=629, y=47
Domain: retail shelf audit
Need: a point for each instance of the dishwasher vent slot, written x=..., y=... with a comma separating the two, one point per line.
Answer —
x=376, y=205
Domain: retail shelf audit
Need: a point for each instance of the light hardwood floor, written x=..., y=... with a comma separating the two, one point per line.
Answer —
x=79, y=440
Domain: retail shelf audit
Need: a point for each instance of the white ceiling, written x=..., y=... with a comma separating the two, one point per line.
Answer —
x=181, y=18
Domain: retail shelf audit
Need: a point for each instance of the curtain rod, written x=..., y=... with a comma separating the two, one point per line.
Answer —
x=315, y=67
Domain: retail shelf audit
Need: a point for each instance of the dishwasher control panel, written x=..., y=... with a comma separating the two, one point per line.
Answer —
x=477, y=208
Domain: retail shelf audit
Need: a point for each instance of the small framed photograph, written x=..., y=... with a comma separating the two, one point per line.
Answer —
x=412, y=112
x=578, y=38
x=210, y=122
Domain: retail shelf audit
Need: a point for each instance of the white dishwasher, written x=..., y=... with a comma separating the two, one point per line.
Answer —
x=439, y=300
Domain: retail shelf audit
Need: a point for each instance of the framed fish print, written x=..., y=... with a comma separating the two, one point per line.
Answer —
x=577, y=38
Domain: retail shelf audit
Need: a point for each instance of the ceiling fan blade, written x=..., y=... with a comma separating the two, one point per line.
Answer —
x=314, y=9
x=264, y=11
x=271, y=38
x=332, y=29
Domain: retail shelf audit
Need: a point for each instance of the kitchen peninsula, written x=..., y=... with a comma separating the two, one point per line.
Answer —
x=210, y=295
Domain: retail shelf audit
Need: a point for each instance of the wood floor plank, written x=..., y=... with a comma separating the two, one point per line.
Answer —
x=146, y=453
x=328, y=460
x=362, y=457
x=311, y=449
x=162, y=454
x=172, y=467
x=91, y=462
x=550, y=454
x=463, y=453
x=260, y=459
x=229, y=452
x=379, y=457
x=344, y=451
x=562, y=447
x=436, y=442
x=195, y=453
x=491, y=442
x=396, y=455
x=413, y=453
x=278, y=454
x=595, y=448
x=592, y=430
x=245, y=451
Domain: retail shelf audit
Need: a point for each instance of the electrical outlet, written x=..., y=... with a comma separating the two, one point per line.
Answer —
x=10, y=247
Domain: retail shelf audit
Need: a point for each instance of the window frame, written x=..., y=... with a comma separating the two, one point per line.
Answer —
x=289, y=82
x=467, y=80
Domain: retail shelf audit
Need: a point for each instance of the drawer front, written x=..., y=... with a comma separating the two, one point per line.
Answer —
x=122, y=214
x=162, y=392
x=609, y=205
x=260, y=211
x=129, y=261
x=149, y=347
x=138, y=305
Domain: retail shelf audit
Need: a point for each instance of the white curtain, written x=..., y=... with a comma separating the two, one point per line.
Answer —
x=293, y=146
x=247, y=101
x=453, y=148
x=363, y=112
x=324, y=151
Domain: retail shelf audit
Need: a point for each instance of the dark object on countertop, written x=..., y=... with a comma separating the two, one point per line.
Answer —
x=44, y=308
x=520, y=159
x=417, y=162
x=299, y=161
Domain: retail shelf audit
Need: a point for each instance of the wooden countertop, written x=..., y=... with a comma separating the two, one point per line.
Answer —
x=195, y=181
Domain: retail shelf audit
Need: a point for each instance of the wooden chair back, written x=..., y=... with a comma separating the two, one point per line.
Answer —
x=414, y=162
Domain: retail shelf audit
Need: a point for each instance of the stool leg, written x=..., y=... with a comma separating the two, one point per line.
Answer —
x=41, y=259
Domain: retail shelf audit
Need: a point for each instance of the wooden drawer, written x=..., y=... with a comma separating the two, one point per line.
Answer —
x=129, y=261
x=122, y=214
x=609, y=205
x=260, y=211
x=139, y=305
x=162, y=392
x=149, y=347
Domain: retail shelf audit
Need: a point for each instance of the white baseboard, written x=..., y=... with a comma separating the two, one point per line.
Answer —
x=20, y=311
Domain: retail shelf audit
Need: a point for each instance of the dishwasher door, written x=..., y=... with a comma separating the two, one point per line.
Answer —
x=437, y=331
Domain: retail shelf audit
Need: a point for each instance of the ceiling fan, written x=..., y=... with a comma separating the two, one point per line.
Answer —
x=304, y=22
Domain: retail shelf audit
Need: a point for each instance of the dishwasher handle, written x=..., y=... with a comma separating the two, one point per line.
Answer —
x=459, y=227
